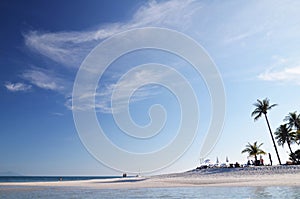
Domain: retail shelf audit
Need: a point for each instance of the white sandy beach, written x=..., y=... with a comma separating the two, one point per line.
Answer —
x=257, y=176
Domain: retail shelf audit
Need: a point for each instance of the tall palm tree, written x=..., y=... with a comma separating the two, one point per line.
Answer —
x=297, y=133
x=254, y=150
x=284, y=135
x=293, y=120
x=262, y=108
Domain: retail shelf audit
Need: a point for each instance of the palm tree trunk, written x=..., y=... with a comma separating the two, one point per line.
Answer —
x=292, y=154
x=255, y=158
x=273, y=139
x=289, y=145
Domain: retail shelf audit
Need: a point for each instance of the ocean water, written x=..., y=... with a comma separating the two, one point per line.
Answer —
x=178, y=192
x=50, y=178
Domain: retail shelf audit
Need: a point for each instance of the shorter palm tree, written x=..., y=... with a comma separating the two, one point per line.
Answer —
x=284, y=135
x=295, y=157
x=254, y=150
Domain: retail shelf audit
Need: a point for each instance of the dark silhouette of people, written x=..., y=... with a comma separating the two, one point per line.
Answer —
x=248, y=163
x=261, y=161
x=270, y=158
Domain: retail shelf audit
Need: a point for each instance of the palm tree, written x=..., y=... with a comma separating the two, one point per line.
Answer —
x=297, y=136
x=293, y=120
x=295, y=156
x=254, y=150
x=285, y=135
x=262, y=108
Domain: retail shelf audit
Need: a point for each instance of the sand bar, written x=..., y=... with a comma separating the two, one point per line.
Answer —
x=256, y=176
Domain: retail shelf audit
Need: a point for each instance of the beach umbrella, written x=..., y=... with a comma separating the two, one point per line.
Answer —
x=201, y=160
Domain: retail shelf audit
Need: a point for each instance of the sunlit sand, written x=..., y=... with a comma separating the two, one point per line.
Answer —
x=256, y=176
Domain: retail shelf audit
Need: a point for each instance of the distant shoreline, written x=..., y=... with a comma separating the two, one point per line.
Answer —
x=252, y=176
x=51, y=178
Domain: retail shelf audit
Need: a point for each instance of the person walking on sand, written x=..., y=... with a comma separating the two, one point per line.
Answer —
x=261, y=161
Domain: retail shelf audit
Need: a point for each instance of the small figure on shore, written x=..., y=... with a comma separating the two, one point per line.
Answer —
x=270, y=158
x=257, y=163
x=261, y=161
x=124, y=175
x=237, y=165
x=248, y=163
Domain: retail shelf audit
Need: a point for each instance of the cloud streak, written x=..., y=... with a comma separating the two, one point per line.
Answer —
x=260, y=21
x=133, y=81
x=243, y=23
x=70, y=48
x=288, y=74
x=16, y=87
x=282, y=71
x=45, y=79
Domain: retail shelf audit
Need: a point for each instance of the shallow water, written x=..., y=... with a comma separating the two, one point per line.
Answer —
x=18, y=192
x=51, y=178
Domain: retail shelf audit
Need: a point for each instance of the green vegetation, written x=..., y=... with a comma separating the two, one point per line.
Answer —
x=293, y=123
x=254, y=150
x=262, y=108
x=286, y=134
x=296, y=157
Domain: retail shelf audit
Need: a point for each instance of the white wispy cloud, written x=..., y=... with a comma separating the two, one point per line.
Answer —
x=133, y=82
x=57, y=114
x=46, y=79
x=258, y=21
x=283, y=70
x=241, y=36
x=288, y=74
x=229, y=23
x=67, y=48
x=15, y=87
x=70, y=48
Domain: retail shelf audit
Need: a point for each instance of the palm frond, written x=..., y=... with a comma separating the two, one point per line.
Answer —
x=273, y=105
x=261, y=108
x=255, y=112
x=260, y=145
x=246, y=151
x=257, y=117
x=253, y=149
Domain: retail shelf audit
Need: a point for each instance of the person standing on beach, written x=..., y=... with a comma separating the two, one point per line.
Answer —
x=270, y=158
x=248, y=163
x=261, y=161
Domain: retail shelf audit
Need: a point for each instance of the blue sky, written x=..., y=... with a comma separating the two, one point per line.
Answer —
x=254, y=44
